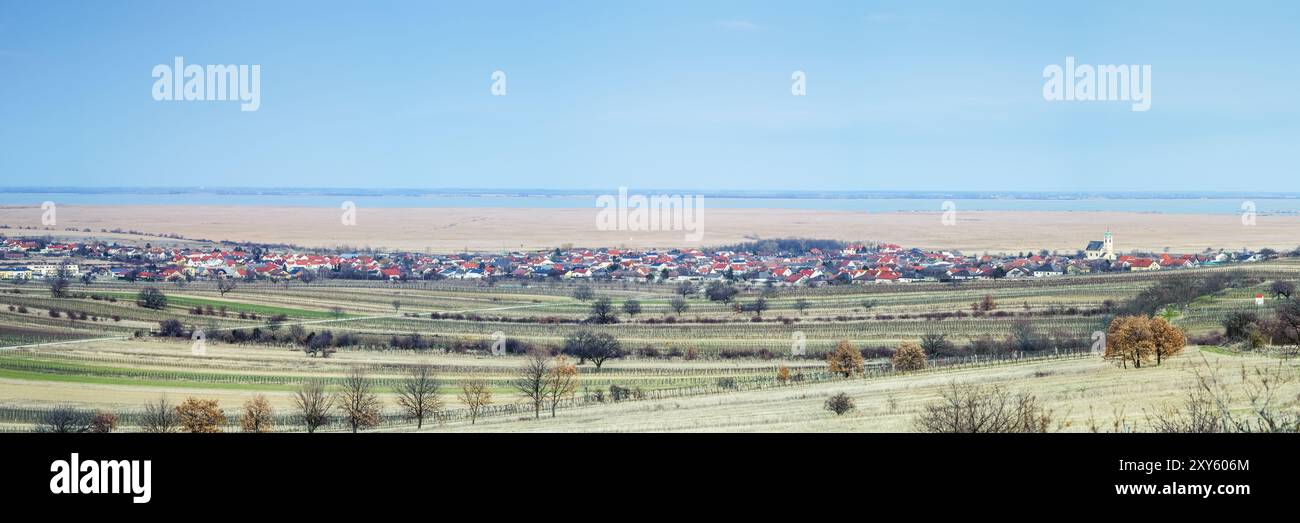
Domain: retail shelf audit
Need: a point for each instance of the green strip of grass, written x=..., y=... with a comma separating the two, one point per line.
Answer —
x=104, y=380
x=111, y=375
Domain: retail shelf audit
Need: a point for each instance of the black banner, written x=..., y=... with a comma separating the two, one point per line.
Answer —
x=316, y=473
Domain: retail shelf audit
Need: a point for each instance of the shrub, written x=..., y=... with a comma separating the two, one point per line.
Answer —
x=151, y=298
x=1238, y=326
x=64, y=420
x=936, y=344
x=170, y=328
x=617, y=393
x=909, y=357
x=103, y=422
x=978, y=409
x=840, y=403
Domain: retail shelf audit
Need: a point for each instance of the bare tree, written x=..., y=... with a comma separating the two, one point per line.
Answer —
x=978, y=409
x=361, y=406
x=418, y=395
x=65, y=420
x=801, y=305
x=561, y=382
x=678, y=304
x=313, y=405
x=159, y=417
x=476, y=396
x=1282, y=289
x=530, y=381
x=59, y=282
x=225, y=285
x=595, y=346
x=1212, y=404
x=602, y=311
x=257, y=416
x=685, y=289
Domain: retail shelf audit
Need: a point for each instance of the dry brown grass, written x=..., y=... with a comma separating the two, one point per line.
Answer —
x=1075, y=391
x=452, y=229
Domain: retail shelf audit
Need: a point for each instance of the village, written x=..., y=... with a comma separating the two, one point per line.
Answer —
x=886, y=263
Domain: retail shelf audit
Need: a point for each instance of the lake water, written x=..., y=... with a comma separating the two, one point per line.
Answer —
x=1216, y=205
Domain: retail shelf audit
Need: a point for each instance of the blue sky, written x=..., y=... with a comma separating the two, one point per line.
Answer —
x=900, y=95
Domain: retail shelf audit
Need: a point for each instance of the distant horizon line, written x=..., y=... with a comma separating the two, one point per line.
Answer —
x=715, y=193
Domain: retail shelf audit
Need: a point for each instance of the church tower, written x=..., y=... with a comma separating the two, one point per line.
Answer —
x=1109, y=246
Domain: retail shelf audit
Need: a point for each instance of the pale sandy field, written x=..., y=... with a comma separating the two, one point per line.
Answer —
x=1081, y=393
x=496, y=229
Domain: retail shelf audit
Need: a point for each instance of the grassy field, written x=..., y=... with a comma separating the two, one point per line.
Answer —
x=1082, y=393
x=680, y=358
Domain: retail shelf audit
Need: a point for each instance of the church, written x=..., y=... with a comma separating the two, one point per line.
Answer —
x=1101, y=250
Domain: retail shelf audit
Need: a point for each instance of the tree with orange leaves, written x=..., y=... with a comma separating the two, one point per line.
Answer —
x=257, y=416
x=908, y=357
x=1138, y=339
x=200, y=416
x=845, y=359
x=561, y=382
x=783, y=374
